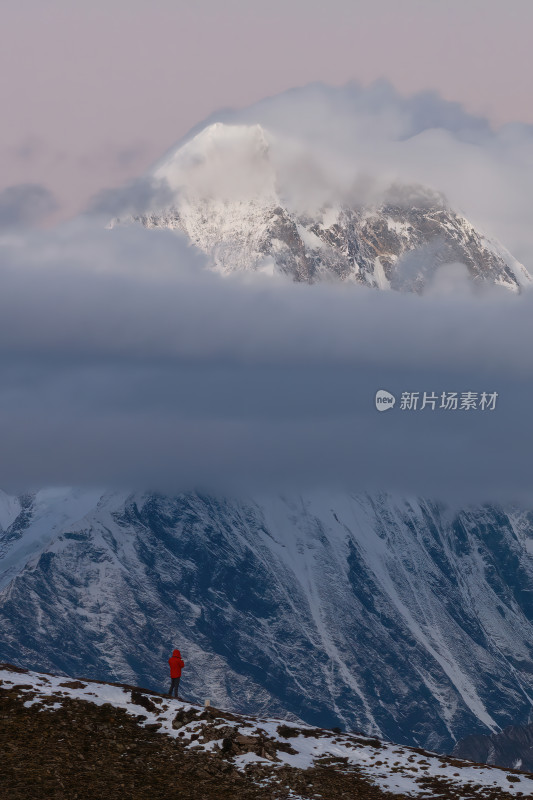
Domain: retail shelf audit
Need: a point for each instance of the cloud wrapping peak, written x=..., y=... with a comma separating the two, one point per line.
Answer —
x=365, y=139
x=135, y=198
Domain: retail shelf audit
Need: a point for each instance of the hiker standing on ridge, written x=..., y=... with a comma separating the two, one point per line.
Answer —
x=176, y=665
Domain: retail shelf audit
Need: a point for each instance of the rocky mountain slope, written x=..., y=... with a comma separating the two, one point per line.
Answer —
x=398, y=617
x=512, y=747
x=99, y=739
x=249, y=205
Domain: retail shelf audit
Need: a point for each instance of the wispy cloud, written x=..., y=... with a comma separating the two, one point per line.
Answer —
x=25, y=205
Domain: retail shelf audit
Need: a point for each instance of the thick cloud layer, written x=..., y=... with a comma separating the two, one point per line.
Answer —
x=125, y=362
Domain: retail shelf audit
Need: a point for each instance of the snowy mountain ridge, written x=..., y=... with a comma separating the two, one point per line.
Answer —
x=270, y=753
x=252, y=201
x=389, y=615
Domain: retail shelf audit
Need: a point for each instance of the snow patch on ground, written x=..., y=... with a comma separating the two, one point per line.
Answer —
x=396, y=769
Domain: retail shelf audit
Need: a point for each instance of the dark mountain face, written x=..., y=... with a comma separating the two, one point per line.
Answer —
x=391, y=616
x=512, y=748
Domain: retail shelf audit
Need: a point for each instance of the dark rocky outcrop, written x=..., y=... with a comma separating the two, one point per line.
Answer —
x=512, y=748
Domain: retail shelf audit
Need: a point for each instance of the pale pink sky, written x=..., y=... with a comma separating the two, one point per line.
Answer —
x=92, y=92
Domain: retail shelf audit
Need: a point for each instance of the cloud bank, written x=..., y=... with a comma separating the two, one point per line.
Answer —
x=125, y=362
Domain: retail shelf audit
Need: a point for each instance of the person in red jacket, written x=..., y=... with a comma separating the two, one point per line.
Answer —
x=176, y=665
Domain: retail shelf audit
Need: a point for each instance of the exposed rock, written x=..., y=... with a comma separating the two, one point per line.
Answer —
x=512, y=747
x=89, y=749
x=397, y=242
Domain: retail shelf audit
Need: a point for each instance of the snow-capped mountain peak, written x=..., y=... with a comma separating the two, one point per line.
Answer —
x=250, y=199
x=222, y=162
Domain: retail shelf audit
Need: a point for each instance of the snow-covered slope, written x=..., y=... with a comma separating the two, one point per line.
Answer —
x=252, y=202
x=392, y=616
x=270, y=752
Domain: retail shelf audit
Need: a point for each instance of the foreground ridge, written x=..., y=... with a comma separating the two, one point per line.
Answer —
x=97, y=739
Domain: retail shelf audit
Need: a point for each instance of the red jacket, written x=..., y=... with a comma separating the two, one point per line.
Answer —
x=176, y=663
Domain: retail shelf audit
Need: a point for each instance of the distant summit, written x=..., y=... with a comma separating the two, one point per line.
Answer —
x=251, y=200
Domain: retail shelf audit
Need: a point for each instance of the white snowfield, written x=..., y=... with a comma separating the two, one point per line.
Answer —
x=393, y=768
